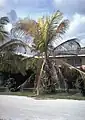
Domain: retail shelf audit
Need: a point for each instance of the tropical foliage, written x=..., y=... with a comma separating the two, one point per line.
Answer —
x=43, y=34
x=9, y=60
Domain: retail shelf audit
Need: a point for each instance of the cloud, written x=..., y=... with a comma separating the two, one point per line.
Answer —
x=12, y=16
x=3, y=3
x=28, y=7
x=76, y=28
x=70, y=6
x=76, y=25
x=74, y=10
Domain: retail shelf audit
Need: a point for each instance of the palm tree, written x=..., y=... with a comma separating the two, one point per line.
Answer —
x=46, y=30
x=9, y=60
x=43, y=32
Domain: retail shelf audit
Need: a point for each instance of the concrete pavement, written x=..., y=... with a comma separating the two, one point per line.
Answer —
x=25, y=108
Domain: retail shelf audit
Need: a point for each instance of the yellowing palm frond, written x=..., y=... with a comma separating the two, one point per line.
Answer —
x=28, y=25
x=43, y=24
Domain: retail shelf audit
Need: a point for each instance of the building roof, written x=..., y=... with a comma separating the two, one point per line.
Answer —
x=60, y=54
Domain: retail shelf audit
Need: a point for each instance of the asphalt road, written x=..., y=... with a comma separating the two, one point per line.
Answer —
x=24, y=108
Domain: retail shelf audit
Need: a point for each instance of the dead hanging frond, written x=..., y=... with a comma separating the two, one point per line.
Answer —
x=68, y=65
x=29, y=26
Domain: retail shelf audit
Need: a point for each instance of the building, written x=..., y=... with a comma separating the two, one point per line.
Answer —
x=72, y=59
x=76, y=60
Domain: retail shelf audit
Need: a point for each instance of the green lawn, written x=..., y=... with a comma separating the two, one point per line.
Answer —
x=76, y=96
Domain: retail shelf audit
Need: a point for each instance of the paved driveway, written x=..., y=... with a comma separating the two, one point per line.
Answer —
x=24, y=108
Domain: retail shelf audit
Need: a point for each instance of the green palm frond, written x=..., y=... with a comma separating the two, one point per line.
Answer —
x=55, y=20
x=4, y=20
x=11, y=62
x=57, y=26
x=3, y=33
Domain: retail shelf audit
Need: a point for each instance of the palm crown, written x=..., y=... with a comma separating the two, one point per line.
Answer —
x=45, y=29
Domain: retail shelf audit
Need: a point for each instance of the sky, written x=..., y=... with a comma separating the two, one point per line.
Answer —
x=74, y=10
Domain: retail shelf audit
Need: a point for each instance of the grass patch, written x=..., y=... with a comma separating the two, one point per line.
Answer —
x=76, y=96
x=59, y=96
x=29, y=94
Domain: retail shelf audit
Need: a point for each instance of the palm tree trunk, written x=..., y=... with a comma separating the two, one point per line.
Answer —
x=53, y=71
x=39, y=77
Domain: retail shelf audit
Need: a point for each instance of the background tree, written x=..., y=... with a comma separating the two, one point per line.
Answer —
x=9, y=60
